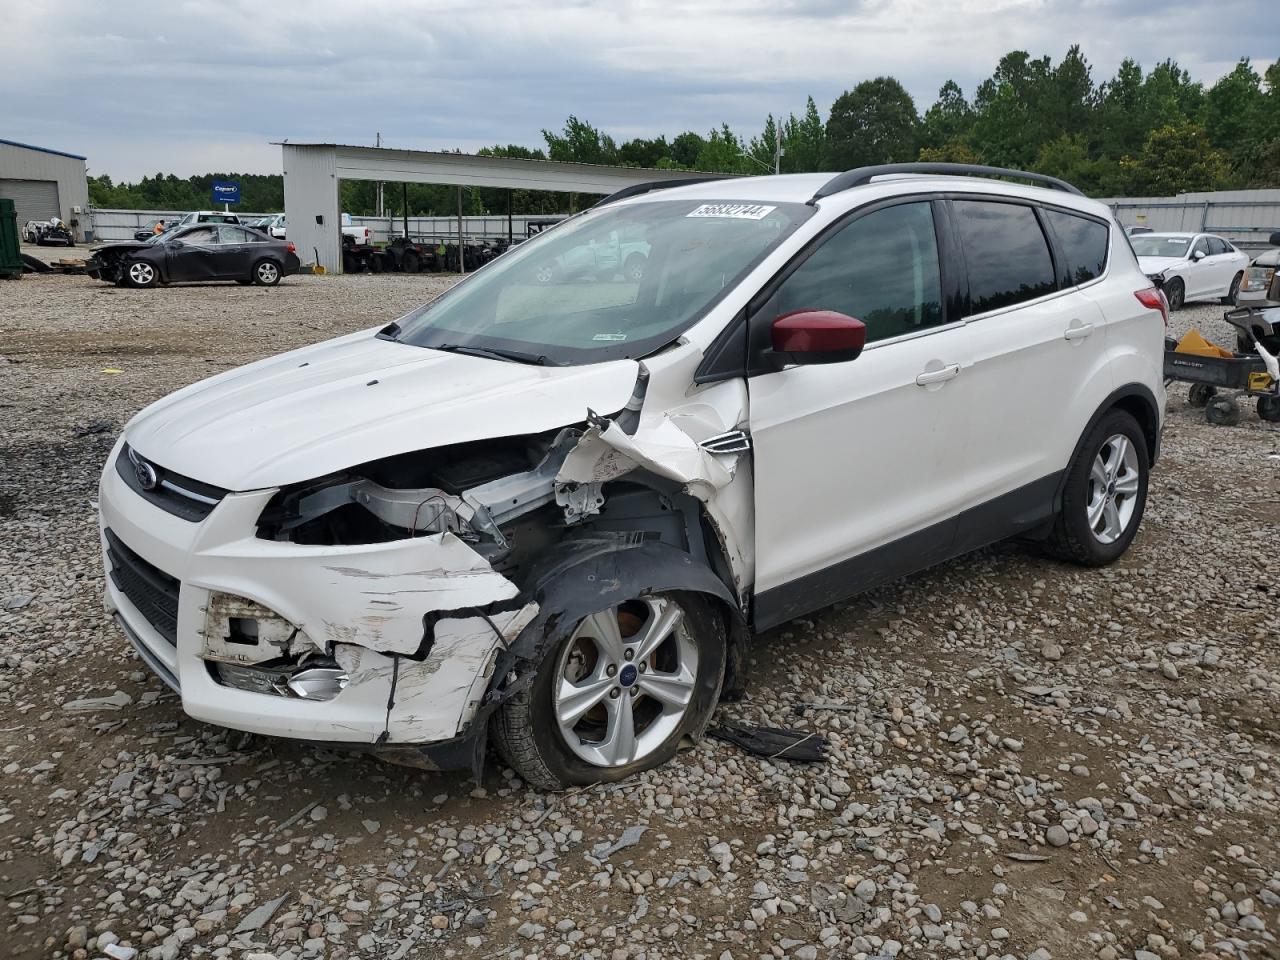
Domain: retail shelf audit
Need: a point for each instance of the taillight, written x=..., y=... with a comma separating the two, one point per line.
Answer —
x=291, y=247
x=1153, y=299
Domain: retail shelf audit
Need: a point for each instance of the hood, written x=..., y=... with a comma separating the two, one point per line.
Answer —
x=1268, y=258
x=1150, y=265
x=120, y=247
x=313, y=411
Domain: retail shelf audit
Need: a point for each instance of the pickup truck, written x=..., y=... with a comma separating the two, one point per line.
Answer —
x=359, y=235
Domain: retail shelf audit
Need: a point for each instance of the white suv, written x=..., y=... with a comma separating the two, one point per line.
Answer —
x=553, y=512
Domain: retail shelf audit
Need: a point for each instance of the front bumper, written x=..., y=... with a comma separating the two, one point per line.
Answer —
x=364, y=606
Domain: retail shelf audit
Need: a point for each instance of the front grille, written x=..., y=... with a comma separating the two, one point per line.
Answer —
x=151, y=590
x=173, y=493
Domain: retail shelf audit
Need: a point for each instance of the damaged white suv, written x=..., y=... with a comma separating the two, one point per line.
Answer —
x=550, y=513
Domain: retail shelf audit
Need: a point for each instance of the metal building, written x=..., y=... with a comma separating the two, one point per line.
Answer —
x=45, y=183
x=312, y=172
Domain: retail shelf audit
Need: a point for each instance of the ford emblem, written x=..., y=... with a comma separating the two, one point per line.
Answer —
x=148, y=479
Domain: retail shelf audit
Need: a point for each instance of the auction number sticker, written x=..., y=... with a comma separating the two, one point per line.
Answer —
x=733, y=211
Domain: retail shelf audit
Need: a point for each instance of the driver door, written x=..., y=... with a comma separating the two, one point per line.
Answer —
x=189, y=256
x=860, y=466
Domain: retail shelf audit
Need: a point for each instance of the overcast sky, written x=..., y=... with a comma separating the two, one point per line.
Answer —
x=192, y=86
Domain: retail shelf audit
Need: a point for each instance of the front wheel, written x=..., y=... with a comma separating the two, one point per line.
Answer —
x=616, y=693
x=1199, y=394
x=1105, y=493
x=1176, y=293
x=139, y=273
x=266, y=273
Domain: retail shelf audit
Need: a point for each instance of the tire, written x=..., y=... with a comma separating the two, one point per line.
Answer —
x=1097, y=523
x=1269, y=409
x=531, y=738
x=139, y=273
x=633, y=270
x=410, y=263
x=1175, y=292
x=266, y=273
x=1234, y=289
x=1200, y=394
x=350, y=264
x=1222, y=412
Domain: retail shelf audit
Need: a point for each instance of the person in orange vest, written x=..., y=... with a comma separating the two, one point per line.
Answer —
x=159, y=228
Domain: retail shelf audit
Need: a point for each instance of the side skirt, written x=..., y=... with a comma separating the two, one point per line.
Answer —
x=1018, y=512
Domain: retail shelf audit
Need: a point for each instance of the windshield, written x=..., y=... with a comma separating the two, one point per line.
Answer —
x=621, y=281
x=1153, y=245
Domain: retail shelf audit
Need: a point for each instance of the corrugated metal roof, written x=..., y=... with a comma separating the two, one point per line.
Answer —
x=31, y=146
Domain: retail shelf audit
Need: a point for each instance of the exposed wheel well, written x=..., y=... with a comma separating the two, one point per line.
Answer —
x=1143, y=409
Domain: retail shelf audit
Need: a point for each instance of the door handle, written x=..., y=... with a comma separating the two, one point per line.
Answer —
x=1077, y=330
x=949, y=372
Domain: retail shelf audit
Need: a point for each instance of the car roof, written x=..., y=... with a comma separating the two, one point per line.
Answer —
x=1179, y=234
x=800, y=188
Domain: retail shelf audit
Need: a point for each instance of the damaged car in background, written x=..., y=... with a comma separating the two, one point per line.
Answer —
x=549, y=514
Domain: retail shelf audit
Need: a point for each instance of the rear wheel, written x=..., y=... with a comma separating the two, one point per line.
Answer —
x=1200, y=393
x=410, y=263
x=1234, y=289
x=1105, y=493
x=1222, y=412
x=350, y=264
x=616, y=692
x=1175, y=292
x=139, y=273
x=266, y=273
x=1269, y=409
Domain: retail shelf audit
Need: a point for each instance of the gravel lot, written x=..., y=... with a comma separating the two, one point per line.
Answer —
x=1027, y=759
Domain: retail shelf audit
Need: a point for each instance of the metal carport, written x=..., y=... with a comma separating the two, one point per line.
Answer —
x=313, y=171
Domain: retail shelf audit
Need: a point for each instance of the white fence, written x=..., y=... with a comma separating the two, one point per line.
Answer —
x=1245, y=217
x=110, y=225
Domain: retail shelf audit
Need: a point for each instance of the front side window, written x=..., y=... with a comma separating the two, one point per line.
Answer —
x=1006, y=253
x=1083, y=242
x=200, y=236
x=620, y=281
x=881, y=269
x=1218, y=246
x=1201, y=247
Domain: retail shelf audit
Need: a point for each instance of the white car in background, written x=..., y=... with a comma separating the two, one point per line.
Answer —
x=273, y=225
x=1194, y=266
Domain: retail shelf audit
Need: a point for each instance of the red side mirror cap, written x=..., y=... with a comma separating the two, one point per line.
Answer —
x=818, y=336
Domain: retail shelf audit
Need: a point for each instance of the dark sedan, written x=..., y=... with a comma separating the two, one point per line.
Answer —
x=203, y=251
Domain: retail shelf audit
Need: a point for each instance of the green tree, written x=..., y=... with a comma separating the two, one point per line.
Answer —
x=1233, y=109
x=948, y=120
x=580, y=142
x=875, y=122
x=685, y=149
x=1175, y=159
x=722, y=153
x=803, y=141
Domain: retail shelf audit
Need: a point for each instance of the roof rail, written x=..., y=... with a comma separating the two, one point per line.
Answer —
x=861, y=176
x=637, y=189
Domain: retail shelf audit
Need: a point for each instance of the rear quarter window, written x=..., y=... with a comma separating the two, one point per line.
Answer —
x=1083, y=243
x=1006, y=253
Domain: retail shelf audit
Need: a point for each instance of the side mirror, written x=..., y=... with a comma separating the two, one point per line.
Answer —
x=818, y=336
x=1198, y=256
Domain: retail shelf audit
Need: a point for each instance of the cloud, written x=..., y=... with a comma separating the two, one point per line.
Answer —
x=190, y=86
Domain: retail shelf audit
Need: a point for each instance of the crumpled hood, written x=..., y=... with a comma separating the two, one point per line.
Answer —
x=307, y=413
x=1150, y=265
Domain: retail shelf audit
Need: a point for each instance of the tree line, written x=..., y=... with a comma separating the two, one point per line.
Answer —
x=1138, y=133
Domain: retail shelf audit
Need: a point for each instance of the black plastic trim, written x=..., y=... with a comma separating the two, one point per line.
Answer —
x=164, y=496
x=152, y=592
x=861, y=176
x=639, y=189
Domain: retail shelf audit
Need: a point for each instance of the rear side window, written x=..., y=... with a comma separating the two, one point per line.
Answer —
x=882, y=269
x=1083, y=243
x=1006, y=253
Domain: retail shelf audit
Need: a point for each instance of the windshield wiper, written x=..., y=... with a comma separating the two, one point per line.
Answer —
x=516, y=356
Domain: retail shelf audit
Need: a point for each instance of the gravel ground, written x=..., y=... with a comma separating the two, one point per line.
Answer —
x=1026, y=759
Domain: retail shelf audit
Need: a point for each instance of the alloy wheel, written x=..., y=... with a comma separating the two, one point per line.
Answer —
x=624, y=681
x=268, y=273
x=142, y=273
x=1113, y=489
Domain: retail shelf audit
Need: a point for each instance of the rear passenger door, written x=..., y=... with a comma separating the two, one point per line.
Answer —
x=1038, y=356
